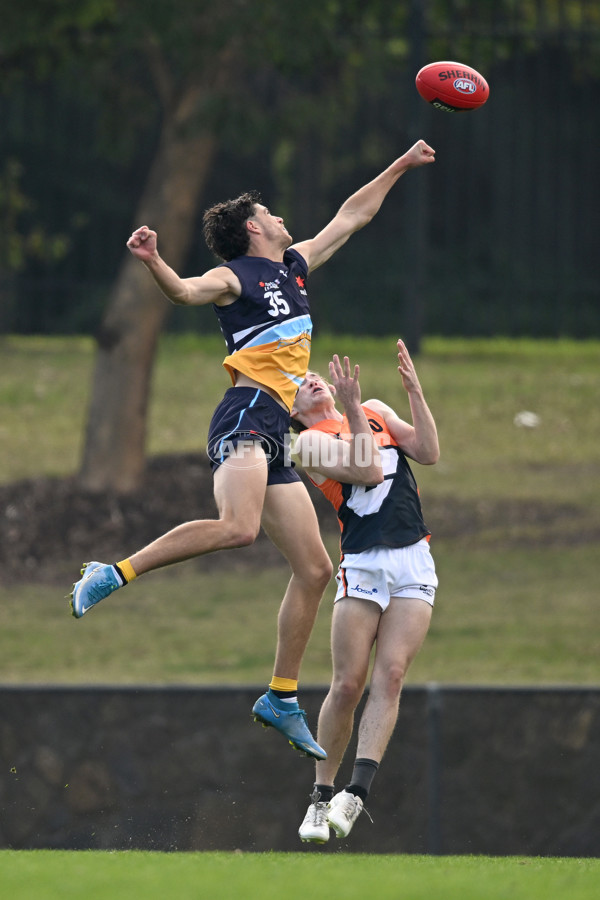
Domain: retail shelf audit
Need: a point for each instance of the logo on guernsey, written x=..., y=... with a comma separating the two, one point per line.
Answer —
x=269, y=285
x=300, y=282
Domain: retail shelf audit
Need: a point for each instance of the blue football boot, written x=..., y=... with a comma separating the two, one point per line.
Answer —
x=291, y=723
x=99, y=580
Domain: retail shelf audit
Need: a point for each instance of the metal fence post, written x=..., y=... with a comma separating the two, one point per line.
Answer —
x=434, y=768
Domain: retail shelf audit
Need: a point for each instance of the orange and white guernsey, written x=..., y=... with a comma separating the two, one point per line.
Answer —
x=268, y=328
x=385, y=515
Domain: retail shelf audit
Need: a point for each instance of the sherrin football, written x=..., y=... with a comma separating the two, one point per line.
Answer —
x=452, y=86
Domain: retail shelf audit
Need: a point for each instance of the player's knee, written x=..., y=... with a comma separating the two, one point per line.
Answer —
x=245, y=538
x=320, y=571
x=347, y=691
x=394, y=679
x=312, y=569
x=238, y=535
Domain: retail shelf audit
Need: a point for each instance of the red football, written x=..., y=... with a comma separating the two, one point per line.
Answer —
x=452, y=86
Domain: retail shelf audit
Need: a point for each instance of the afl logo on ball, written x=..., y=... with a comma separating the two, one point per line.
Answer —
x=464, y=86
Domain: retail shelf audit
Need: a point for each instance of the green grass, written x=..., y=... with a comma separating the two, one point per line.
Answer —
x=138, y=875
x=517, y=599
x=509, y=617
x=474, y=388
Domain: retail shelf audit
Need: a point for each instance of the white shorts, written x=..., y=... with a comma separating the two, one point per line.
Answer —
x=383, y=572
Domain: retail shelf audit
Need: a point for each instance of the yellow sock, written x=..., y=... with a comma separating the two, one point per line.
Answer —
x=283, y=684
x=127, y=571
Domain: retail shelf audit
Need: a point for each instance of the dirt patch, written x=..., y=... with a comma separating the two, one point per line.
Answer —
x=49, y=526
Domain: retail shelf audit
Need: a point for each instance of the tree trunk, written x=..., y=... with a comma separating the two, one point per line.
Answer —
x=114, y=450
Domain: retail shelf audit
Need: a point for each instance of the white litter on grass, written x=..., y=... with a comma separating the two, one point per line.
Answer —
x=526, y=419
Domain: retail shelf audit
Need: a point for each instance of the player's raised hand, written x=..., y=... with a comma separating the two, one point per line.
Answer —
x=407, y=369
x=420, y=154
x=347, y=388
x=142, y=243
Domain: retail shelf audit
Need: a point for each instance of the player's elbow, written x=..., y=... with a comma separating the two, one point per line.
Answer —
x=180, y=299
x=355, y=218
x=369, y=476
x=377, y=476
x=430, y=457
x=362, y=219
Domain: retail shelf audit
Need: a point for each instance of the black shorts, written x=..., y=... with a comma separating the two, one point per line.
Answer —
x=249, y=414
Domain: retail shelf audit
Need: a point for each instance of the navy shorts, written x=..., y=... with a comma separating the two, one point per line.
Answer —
x=249, y=414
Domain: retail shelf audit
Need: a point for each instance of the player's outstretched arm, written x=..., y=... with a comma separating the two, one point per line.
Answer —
x=360, y=208
x=218, y=285
x=420, y=440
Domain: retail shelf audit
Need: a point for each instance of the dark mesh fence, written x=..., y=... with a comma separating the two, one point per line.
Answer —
x=497, y=238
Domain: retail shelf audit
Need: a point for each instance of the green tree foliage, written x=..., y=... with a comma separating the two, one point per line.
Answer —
x=18, y=243
x=495, y=24
x=315, y=91
x=38, y=40
x=41, y=37
x=214, y=75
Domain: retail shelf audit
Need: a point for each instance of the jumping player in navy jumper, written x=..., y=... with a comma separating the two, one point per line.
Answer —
x=259, y=294
x=386, y=577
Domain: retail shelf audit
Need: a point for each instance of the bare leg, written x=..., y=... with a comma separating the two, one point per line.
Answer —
x=290, y=521
x=401, y=633
x=353, y=631
x=239, y=486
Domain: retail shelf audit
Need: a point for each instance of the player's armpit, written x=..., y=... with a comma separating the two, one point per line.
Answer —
x=220, y=286
x=319, y=249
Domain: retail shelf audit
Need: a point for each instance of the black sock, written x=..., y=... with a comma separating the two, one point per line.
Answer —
x=363, y=774
x=326, y=792
x=284, y=695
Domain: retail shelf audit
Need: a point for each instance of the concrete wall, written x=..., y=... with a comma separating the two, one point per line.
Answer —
x=467, y=771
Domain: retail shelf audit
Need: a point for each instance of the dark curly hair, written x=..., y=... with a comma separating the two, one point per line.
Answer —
x=224, y=225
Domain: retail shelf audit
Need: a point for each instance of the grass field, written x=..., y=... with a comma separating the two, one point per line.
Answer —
x=50, y=875
x=474, y=387
x=517, y=601
x=510, y=617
